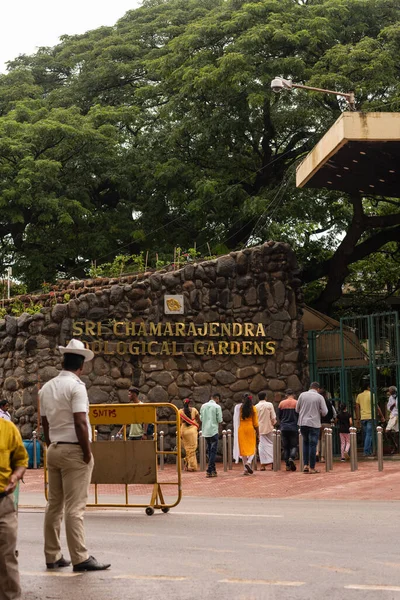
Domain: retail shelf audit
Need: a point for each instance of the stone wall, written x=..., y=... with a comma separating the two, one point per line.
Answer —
x=258, y=285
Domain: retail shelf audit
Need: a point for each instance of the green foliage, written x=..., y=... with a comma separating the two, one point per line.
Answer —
x=17, y=308
x=122, y=264
x=168, y=119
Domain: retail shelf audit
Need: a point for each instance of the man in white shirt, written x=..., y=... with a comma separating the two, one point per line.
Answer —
x=266, y=421
x=4, y=406
x=64, y=408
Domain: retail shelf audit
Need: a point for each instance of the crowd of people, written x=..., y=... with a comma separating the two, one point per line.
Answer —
x=67, y=432
x=311, y=413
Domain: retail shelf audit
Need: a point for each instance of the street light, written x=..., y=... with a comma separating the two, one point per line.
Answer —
x=278, y=84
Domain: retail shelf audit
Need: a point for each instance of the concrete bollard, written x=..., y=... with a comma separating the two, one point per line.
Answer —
x=301, y=451
x=230, y=456
x=224, y=450
x=279, y=449
x=328, y=450
x=379, y=446
x=353, y=449
x=202, y=450
x=35, y=461
x=276, y=441
x=161, y=450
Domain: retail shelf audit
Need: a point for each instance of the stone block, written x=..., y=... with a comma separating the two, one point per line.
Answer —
x=173, y=390
x=294, y=383
x=292, y=356
x=226, y=266
x=59, y=312
x=11, y=384
x=126, y=369
x=163, y=378
x=115, y=372
x=48, y=373
x=202, y=378
x=270, y=368
x=116, y=294
x=279, y=290
x=100, y=366
x=245, y=372
x=258, y=383
x=157, y=394
x=251, y=296
x=184, y=392
x=122, y=382
x=11, y=325
x=277, y=384
x=202, y=394
x=224, y=377
x=287, y=368
x=185, y=380
x=26, y=431
x=97, y=395
x=239, y=386
x=211, y=366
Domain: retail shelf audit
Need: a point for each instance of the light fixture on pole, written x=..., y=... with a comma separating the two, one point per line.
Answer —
x=278, y=84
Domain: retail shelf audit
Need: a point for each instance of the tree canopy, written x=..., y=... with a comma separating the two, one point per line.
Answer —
x=162, y=131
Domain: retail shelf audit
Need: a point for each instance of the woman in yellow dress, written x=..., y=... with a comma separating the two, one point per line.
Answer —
x=248, y=433
x=190, y=422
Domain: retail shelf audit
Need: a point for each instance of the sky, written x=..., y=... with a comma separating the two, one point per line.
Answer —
x=28, y=24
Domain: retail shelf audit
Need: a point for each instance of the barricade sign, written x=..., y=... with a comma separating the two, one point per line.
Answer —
x=134, y=461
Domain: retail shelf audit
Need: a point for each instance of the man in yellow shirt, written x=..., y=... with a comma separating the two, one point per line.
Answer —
x=365, y=412
x=13, y=463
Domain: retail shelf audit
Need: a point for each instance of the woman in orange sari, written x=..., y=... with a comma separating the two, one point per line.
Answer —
x=248, y=433
x=190, y=422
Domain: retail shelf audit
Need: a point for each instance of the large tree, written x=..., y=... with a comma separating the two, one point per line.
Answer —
x=183, y=129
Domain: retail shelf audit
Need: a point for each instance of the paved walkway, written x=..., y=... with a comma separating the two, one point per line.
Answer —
x=365, y=484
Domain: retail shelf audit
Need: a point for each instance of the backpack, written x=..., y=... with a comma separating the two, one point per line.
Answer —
x=331, y=411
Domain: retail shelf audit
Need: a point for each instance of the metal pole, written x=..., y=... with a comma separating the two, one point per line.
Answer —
x=255, y=459
x=353, y=449
x=224, y=450
x=379, y=444
x=202, y=452
x=328, y=449
x=9, y=273
x=274, y=451
x=35, y=466
x=229, y=432
x=161, y=450
x=278, y=449
x=177, y=452
x=301, y=450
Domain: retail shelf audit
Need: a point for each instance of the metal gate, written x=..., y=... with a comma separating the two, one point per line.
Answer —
x=364, y=348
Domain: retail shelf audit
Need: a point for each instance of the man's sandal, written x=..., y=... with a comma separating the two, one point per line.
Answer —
x=306, y=469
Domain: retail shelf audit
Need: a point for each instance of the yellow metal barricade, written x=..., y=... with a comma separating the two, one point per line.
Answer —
x=133, y=461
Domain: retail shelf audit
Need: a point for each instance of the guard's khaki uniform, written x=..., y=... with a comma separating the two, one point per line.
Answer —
x=69, y=476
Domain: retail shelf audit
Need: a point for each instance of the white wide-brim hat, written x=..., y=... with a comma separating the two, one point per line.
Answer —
x=77, y=347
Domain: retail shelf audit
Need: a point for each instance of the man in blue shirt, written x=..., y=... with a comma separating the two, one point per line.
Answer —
x=211, y=417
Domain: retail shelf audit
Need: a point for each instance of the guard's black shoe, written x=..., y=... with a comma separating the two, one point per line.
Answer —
x=292, y=465
x=91, y=564
x=61, y=562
